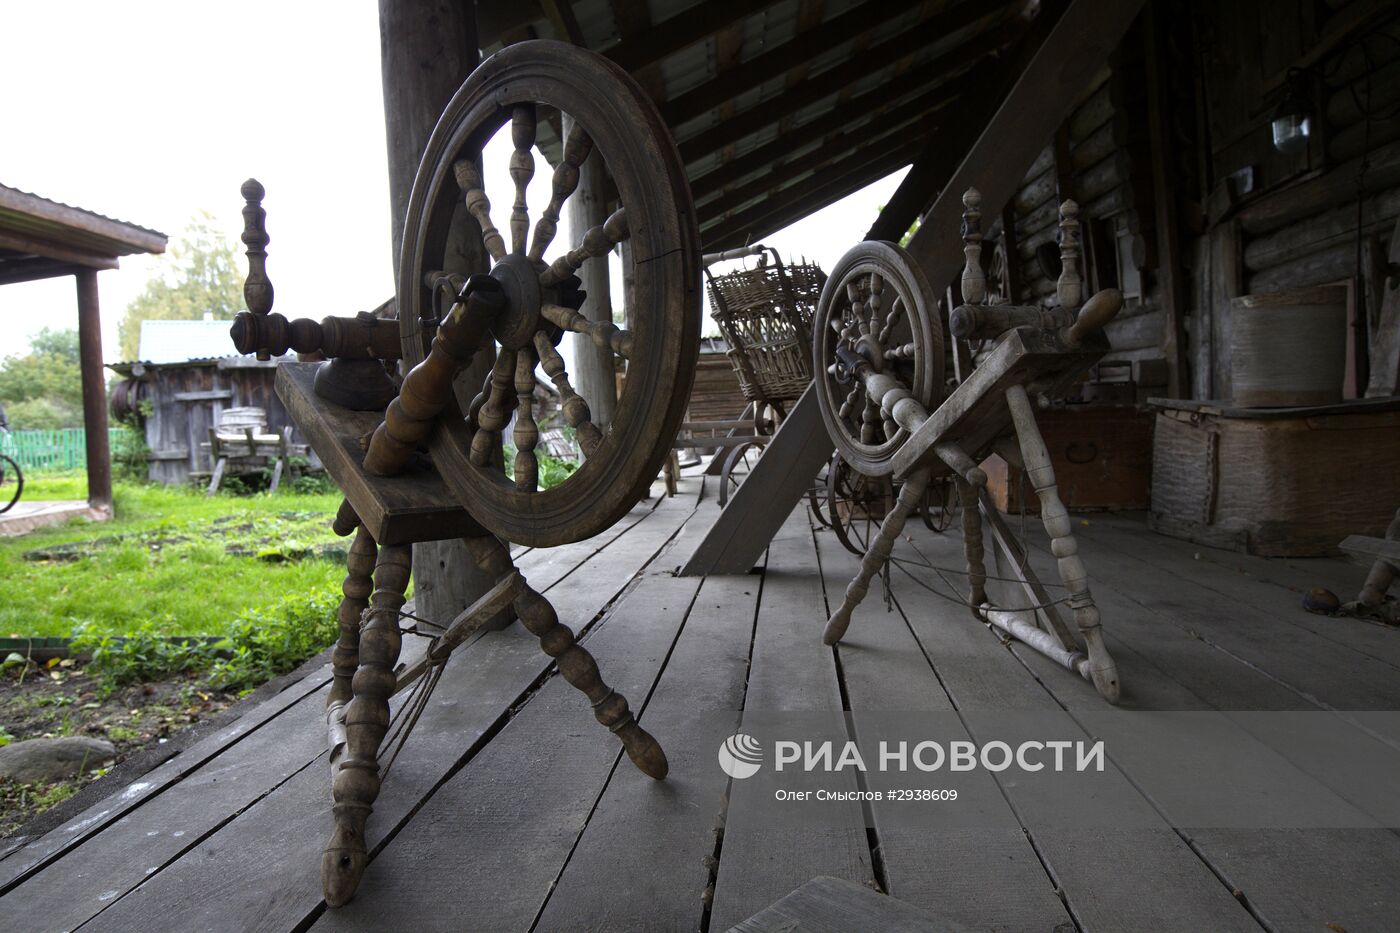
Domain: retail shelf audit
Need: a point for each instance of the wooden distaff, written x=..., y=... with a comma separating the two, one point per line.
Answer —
x=428, y=387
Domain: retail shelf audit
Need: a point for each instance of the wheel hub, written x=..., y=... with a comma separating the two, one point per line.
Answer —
x=515, y=326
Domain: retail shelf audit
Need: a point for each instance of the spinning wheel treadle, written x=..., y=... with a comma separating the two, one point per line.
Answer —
x=877, y=402
x=612, y=120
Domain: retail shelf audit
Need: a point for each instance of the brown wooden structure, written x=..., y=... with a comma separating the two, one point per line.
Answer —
x=41, y=239
x=177, y=404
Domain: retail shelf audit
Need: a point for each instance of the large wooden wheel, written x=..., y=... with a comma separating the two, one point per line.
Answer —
x=877, y=304
x=602, y=115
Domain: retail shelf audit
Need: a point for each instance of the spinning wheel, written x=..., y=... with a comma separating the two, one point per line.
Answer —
x=856, y=503
x=611, y=120
x=878, y=305
x=519, y=312
x=879, y=366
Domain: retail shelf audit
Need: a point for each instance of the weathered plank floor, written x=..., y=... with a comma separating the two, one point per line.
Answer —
x=511, y=809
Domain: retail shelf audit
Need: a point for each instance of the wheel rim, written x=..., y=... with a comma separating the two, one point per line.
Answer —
x=903, y=318
x=11, y=483
x=624, y=131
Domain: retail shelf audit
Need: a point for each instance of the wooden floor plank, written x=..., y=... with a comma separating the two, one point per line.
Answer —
x=41, y=852
x=1172, y=888
x=1333, y=673
x=1292, y=878
x=1240, y=582
x=644, y=860
x=510, y=818
x=116, y=860
x=790, y=671
x=985, y=878
x=265, y=863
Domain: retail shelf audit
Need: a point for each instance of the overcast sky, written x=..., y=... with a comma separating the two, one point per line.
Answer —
x=152, y=111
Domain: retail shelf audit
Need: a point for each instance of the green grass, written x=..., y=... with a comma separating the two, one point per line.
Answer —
x=164, y=564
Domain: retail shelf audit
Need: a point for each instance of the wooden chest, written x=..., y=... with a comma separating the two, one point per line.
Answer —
x=1279, y=482
x=1102, y=456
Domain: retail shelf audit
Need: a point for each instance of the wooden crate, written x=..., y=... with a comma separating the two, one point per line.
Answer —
x=1102, y=456
x=1275, y=482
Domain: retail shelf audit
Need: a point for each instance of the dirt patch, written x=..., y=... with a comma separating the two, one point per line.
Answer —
x=61, y=698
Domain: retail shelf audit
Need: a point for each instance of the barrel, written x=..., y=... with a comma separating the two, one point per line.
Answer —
x=1289, y=347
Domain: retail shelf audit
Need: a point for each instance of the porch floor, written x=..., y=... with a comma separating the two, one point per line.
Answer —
x=511, y=809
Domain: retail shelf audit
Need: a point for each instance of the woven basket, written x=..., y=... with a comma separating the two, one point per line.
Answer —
x=765, y=313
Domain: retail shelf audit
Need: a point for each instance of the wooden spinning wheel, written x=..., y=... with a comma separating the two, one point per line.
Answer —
x=877, y=388
x=877, y=303
x=518, y=312
x=606, y=117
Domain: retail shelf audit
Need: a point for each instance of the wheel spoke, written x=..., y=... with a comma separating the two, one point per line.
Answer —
x=891, y=320
x=527, y=433
x=870, y=417
x=522, y=169
x=598, y=241
x=605, y=334
x=576, y=150
x=874, y=303
x=575, y=409
x=850, y=401
x=469, y=181
x=494, y=411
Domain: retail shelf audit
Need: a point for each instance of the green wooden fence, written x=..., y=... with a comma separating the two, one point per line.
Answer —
x=62, y=449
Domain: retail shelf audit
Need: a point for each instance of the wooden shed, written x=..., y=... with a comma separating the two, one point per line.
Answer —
x=178, y=391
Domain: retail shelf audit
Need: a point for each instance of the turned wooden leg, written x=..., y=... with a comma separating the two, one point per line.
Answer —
x=1062, y=543
x=972, y=544
x=575, y=663
x=1382, y=573
x=359, y=565
x=910, y=495
x=366, y=720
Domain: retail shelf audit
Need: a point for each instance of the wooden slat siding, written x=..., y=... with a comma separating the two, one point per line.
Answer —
x=1238, y=581
x=1335, y=674
x=790, y=670
x=1290, y=877
x=641, y=862
x=489, y=844
x=1175, y=891
x=114, y=861
x=267, y=859
x=41, y=852
x=985, y=878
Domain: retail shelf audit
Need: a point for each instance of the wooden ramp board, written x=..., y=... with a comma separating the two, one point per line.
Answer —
x=832, y=905
x=415, y=506
x=987, y=877
x=266, y=860
x=791, y=670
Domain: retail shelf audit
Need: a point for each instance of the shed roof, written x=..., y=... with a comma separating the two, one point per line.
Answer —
x=182, y=341
x=40, y=238
x=781, y=107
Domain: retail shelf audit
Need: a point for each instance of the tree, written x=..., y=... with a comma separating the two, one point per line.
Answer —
x=44, y=388
x=200, y=274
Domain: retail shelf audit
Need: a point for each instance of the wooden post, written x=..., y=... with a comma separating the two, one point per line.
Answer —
x=427, y=49
x=593, y=365
x=99, y=454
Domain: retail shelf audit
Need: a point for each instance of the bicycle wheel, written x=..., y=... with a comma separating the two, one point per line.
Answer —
x=11, y=483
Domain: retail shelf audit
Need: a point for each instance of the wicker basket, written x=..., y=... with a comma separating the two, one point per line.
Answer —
x=765, y=313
